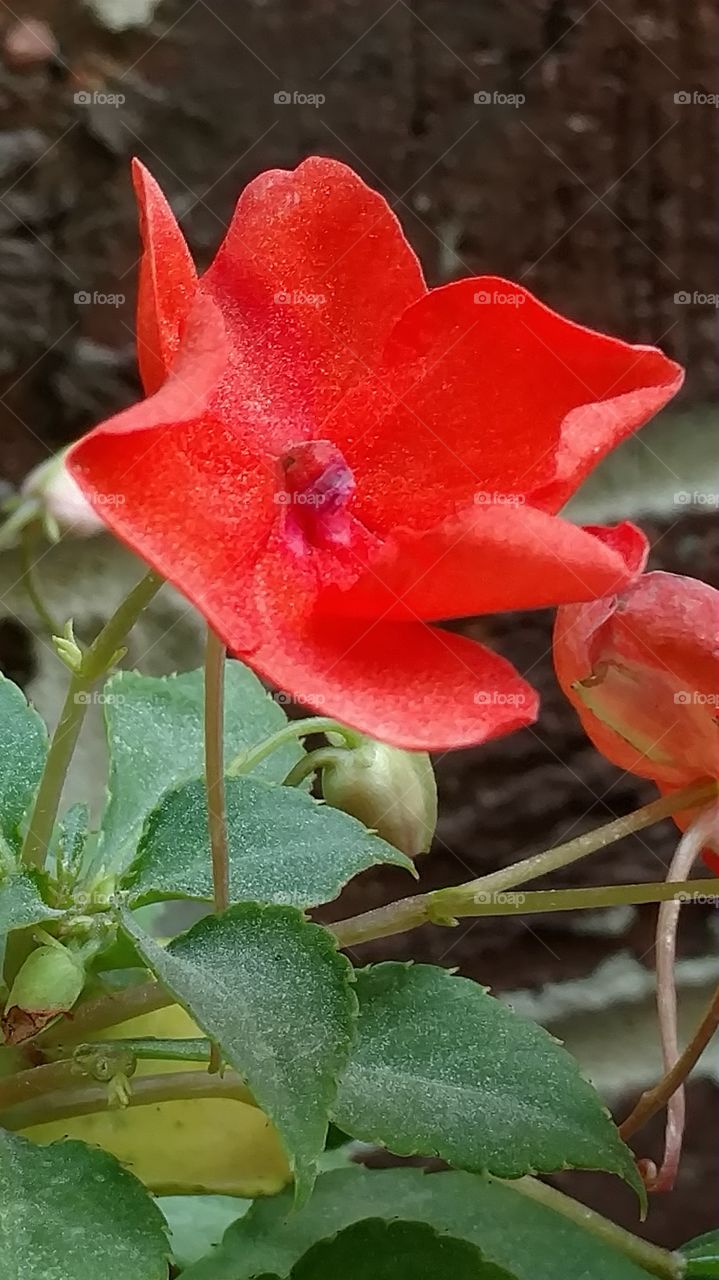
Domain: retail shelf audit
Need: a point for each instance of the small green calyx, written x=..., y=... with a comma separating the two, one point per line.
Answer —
x=391, y=791
x=48, y=984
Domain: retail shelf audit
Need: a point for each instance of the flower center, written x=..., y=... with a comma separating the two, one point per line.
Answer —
x=317, y=486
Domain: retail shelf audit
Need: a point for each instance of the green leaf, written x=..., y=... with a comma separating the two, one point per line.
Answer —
x=71, y=1212
x=531, y=1241
x=276, y=995
x=156, y=741
x=284, y=847
x=21, y=904
x=702, y=1256
x=71, y=836
x=377, y=1250
x=198, y=1223
x=442, y=1068
x=23, y=748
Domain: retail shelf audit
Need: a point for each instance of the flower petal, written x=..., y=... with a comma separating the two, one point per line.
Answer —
x=407, y=684
x=487, y=560
x=317, y=254
x=167, y=281
x=190, y=496
x=484, y=390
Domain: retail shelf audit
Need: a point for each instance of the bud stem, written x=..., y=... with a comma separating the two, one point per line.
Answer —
x=310, y=763
x=246, y=761
x=96, y=662
x=31, y=587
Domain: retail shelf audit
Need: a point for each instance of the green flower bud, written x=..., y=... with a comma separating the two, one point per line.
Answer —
x=49, y=983
x=391, y=791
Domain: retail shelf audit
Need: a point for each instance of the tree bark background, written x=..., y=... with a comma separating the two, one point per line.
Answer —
x=584, y=169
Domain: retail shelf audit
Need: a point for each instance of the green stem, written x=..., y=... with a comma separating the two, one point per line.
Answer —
x=657, y=1261
x=28, y=568
x=541, y=864
x=248, y=760
x=446, y=904
x=106, y=1011
x=215, y=768
x=96, y=661
x=434, y=908
x=309, y=764
x=53, y=1077
x=85, y=1099
x=157, y=1048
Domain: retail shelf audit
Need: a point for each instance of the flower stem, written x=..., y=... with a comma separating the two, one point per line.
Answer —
x=652, y=1100
x=430, y=908
x=541, y=864
x=95, y=663
x=85, y=1099
x=215, y=767
x=657, y=1261
x=246, y=761
x=445, y=905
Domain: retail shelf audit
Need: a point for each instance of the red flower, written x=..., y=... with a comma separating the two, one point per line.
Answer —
x=340, y=456
x=641, y=671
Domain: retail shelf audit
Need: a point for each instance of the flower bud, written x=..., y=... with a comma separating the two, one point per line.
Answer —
x=61, y=498
x=391, y=791
x=48, y=983
x=641, y=671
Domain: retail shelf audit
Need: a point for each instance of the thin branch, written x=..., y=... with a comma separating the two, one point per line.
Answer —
x=652, y=1100
x=688, y=850
x=215, y=767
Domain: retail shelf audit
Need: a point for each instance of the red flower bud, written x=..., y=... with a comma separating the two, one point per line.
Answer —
x=642, y=671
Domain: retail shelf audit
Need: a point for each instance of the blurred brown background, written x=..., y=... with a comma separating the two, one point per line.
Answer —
x=567, y=145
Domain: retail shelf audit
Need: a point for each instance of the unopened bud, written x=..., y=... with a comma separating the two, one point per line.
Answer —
x=49, y=983
x=391, y=791
x=61, y=499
